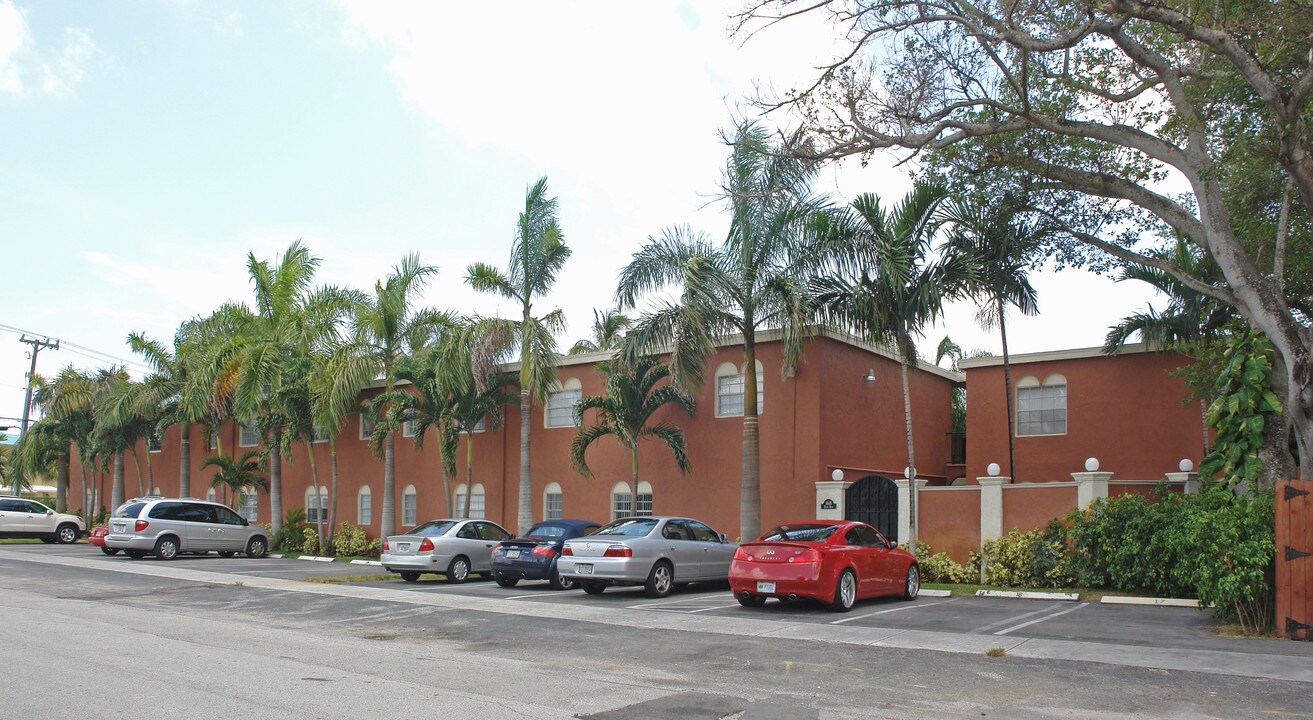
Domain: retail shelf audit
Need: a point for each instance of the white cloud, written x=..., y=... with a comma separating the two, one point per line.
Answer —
x=21, y=56
x=68, y=70
x=14, y=41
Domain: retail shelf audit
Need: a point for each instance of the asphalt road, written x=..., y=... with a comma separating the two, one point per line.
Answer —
x=92, y=636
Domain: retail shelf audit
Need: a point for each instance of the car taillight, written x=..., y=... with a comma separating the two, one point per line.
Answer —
x=567, y=551
x=141, y=525
x=806, y=556
x=543, y=551
x=426, y=545
x=385, y=545
x=741, y=554
x=618, y=551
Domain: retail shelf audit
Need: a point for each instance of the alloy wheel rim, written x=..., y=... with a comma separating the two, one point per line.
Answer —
x=848, y=589
x=913, y=582
x=663, y=578
x=67, y=535
x=461, y=571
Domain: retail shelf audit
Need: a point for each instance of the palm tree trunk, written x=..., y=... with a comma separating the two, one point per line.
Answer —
x=150, y=472
x=1007, y=389
x=387, y=522
x=750, y=497
x=276, y=480
x=86, y=498
x=524, y=518
x=319, y=500
x=61, y=482
x=332, y=479
x=184, y=459
x=911, y=463
x=464, y=508
x=633, y=473
x=116, y=491
x=136, y=460
x=1203, y=425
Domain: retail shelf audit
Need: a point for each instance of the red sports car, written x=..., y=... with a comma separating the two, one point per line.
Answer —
x=97, y=539
x=834, y=561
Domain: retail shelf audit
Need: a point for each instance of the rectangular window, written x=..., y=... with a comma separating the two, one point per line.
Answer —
x=408, y=509
x=214, y=441
x=620, y=505
x=249, y=438
x=364, y=511
x=1042, y=410
x=560, y=407
x=555, y=505
x=408, y=428
x=476, y=505
x=318, y=434
x=153, y=443
x=729, y=395
x=481, y=425
x=366, y=427
x=250, y=506
x=314, y=508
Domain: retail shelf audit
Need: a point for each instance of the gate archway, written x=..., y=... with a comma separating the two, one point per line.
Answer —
x=874, y=501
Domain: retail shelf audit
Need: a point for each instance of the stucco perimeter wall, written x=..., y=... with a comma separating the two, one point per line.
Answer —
x=1148, y=489
x=1028, y=506
x=950, y=520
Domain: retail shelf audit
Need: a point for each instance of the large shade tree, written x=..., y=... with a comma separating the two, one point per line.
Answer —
x=1131, y=122
x=751, y=281
x=537, y=255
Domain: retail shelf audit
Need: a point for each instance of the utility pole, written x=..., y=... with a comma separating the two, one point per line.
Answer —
x=31, y=375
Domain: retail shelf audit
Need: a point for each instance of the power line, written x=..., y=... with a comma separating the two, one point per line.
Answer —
x=89, y=353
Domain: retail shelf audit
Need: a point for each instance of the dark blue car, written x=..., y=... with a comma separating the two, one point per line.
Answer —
x=533, y=557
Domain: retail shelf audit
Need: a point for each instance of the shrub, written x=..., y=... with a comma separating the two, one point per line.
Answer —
x=1227, y=554
x=309, y=541
x=1129, y=544
x=940, y=568
x=290, y=537
x=1023, y=559
x=351, y=540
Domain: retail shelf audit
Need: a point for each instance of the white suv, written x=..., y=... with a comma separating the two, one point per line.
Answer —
x=22, y=518
x=169, y=526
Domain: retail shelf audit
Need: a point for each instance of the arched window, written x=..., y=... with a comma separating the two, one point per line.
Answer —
x=729, y=390
x=364, y=506
x=462, y=496
x=477, y=501
x=561, y=402
x=249, y=504
x=210, y=495
x=620, y=500
x=553, y=502
x=316, y=508
x=1042, y=407
x=409, y=506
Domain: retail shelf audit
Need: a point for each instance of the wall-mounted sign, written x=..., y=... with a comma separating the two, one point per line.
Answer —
x=828, y=505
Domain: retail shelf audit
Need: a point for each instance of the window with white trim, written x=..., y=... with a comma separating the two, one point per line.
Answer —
x=561, y=403
x=620, y=499
x=364, y=506
x=366, y=426
x=462, y=496
x=477, y=507
x=730, y=387
x=481, y=425
x=153, y=443
x=409, y=506
x=214, y=441
x=408, y=427
x=316, y=508
x=1042, y=407
x=249, y=436
x=318, y=434
x=553, y=502
x=209, y=495
x=249, y=504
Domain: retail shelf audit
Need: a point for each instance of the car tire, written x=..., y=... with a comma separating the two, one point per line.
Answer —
x=660, y=581
x=166, y=548
x=410, y=576
x=459, y=570
x=682, y=586
x=506, y=582
x=561, y=583
x=593, y=587
x=135, y=554
x=66, y=534
x=227, y=553
x=109, y=550
x=257, y=547
x=845, y=592
x=912, y=586
x=751, y=600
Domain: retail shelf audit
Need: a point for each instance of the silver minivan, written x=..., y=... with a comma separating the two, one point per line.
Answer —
x=166, y=527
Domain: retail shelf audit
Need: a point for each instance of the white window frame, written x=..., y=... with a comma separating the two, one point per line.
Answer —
x=481, y=425
x=311, y=507
x=564, y=398
x=248, y=504
x=155, y=442
x=364, y=506
x=461, y=496
x=248, y=431
x=214, y=441
x=729, y=377
x=620, y=500
x=409, y=506
x=553, y=502
x=1046, y=406
x=478, y=502
x=318, y=434
x=366, y=426
x=211, y=495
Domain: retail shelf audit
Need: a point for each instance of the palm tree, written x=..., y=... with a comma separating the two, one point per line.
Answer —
x=609, y=328
x=750, y=282
x=67, y=421
x=1002, y=244
x=537, y=256
x=885, y=287
x=235, y=475
x=167, y=391
x=633, y=396
x=381, y=329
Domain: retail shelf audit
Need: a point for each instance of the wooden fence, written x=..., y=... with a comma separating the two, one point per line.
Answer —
x=1294, y=540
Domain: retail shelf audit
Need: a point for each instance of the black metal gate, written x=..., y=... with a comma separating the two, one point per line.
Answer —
x=874, y=501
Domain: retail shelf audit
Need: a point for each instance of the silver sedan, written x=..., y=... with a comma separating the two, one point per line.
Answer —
x=450, y=547
x=655, y=552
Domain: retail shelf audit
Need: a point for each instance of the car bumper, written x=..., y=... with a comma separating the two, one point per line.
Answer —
x=623, y=570
x=130, y=542
x=805, y=580
x=523, y=570
x=415, y=563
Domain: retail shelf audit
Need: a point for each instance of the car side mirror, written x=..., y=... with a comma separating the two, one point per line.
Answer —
x=245, y=522
x=50, y=512
x=723, y=538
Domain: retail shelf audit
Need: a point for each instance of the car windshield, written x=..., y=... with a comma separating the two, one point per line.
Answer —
x=129, y=510
x=546, y=531
x=433, y=529
x=631, y=527
x=801, y=533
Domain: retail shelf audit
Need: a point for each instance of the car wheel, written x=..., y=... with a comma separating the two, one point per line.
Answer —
x=561, y=583
x=166, y=548
x=459, y=570
x=506, y=582
x=109, y=550
x=912, y=587
x=660, y=580
x=257, y=547
x=227, y=553
x=66, y=533
x=135, y=554
x=410, y=576
x=845, y=592
x=593, y=587
x=751, y=600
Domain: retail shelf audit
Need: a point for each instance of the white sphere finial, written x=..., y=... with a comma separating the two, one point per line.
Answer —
x=1186, y=465
x=993, y=469
x=837, y=475
x=907, y=472
x=1091, y=464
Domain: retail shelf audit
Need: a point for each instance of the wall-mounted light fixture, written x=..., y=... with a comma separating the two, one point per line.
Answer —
x=869, y=376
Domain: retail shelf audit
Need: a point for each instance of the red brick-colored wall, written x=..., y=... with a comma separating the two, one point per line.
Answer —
x=1028, y=506
x=950, y=520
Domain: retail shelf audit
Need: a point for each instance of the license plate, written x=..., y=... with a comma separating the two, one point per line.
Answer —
x=584, y=568
x=403, y=547
x=765, y=587
x=512, y=554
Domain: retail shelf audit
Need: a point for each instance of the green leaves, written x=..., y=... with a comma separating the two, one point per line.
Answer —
x=1243, y=399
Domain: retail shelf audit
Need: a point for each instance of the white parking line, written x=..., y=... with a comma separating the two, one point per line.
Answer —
x=521, y=597
x=716, y=607
x=1042, y=619
x=1014, y=618
x=882, y=612
x=679, y=601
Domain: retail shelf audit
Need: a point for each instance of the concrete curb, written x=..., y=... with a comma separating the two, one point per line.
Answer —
x=1164, y=602
x=315, y=558
x=936, y=593
x=367, y=562
x=1024, y=595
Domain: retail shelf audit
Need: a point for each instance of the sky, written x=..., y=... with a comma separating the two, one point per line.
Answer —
x=148, y=147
